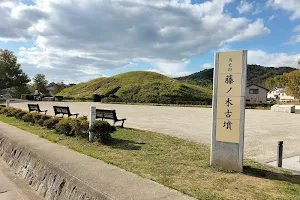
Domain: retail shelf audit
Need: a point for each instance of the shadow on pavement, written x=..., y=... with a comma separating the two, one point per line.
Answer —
x=262, y=173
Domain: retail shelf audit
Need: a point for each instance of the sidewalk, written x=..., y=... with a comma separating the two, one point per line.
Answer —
x=109, y=181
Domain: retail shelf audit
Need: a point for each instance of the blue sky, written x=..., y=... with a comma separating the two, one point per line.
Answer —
x=78, y=40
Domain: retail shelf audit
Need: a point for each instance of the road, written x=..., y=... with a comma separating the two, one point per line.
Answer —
x=14, y=188
x=263, y=128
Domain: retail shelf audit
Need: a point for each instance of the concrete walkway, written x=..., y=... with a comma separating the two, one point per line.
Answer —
x=263, y=128
x=109, y=181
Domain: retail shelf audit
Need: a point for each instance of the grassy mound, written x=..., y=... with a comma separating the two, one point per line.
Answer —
x=140, y=87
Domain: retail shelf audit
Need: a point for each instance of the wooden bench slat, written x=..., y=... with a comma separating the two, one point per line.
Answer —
x=36, y=107
x=108, y=114
x=64, y=110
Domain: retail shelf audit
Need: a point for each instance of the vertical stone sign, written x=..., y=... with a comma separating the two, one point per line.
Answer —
x=227, y=142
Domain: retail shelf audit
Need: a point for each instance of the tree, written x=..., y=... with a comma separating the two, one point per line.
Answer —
x=40, y=83
x=293, y=83
x=11, y=74
x=58, y=88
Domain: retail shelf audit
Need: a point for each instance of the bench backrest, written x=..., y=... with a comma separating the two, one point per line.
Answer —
x=106, y=114
x=33, y=107
x=61, y=110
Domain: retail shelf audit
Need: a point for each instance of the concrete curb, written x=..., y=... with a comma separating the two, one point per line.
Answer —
x=56, y=172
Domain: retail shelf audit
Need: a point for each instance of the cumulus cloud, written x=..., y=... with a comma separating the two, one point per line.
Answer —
x=272, y=17
x=244, y=6
x=297, y=29
x=253, y=29
x=207, y=65
x=86, y=36
x=294, y=39
x=292, y=6
x=272, y=59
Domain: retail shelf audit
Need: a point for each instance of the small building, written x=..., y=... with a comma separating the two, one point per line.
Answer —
x=275, y=93
x=256, y=94
x=284, y=97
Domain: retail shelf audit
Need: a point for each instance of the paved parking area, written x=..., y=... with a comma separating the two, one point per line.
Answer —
x=263, y=128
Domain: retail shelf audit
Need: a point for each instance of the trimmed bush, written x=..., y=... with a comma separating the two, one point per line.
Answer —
x=9, y=112
x=43, y=119
x=58, y=98
x=51, y=123
x=28, y=118
x=27, y=96
x=40, y=122
x=64, y=127
x=80, y=128
x=101, y=129
x=84, y=117
x=20, y=114
x=37, y=117
x=15, y=111
x=96, y=98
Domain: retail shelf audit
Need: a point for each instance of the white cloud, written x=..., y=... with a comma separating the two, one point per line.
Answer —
x=244, y=6
x=272, y=17
x=253, y=29
x=107, y=34
x=207, y=65
x=292, y=6
x=297, y=29
x=294, y=39
x=263, y=58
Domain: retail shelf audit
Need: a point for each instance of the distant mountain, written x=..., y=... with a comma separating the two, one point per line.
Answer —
x=140, y=87
x=256, y=74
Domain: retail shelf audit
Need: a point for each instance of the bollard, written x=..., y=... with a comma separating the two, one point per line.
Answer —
x=92, y=119
x=7, y=103
x=279, y=153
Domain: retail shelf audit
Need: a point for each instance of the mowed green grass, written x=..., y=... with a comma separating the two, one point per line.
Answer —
x=141, y=87
x=178, y=164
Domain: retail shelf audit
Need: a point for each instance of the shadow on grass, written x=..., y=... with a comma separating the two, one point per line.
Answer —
x=267, y=174
x=117, y=143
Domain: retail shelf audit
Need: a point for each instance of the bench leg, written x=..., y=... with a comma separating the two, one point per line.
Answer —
x=122, y=124
x=114, y=124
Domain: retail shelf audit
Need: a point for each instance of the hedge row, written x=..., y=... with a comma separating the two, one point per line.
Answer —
x=66, y=126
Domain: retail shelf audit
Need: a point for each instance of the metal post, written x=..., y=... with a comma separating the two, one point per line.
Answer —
x=7, y=103
x=279, y=153
x=92, y=119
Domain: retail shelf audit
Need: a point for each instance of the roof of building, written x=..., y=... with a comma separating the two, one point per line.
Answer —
x=258, y=86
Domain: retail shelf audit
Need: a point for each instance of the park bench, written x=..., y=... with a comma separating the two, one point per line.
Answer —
x=108, y=114
x=36, y=107
x=64, y=110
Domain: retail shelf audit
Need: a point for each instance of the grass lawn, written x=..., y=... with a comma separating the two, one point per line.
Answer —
x=178, y=164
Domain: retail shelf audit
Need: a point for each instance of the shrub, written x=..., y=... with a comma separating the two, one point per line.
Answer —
x=27, y=96
x=28, y=118
x=19, y=115
x=96, y=98
x=9, y=112
x=42, y=120
x=64, y=127
x=101, y=129
x=58, y=98
x=84, y=117
x=15, y=111
x=2, y=110
x=80, y=127
x=51, y=123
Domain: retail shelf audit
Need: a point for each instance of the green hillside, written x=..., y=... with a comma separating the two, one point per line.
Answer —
x=140, y=87
x=256, y=74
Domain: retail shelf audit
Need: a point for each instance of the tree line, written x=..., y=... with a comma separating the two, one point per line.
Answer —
x=16, y=82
